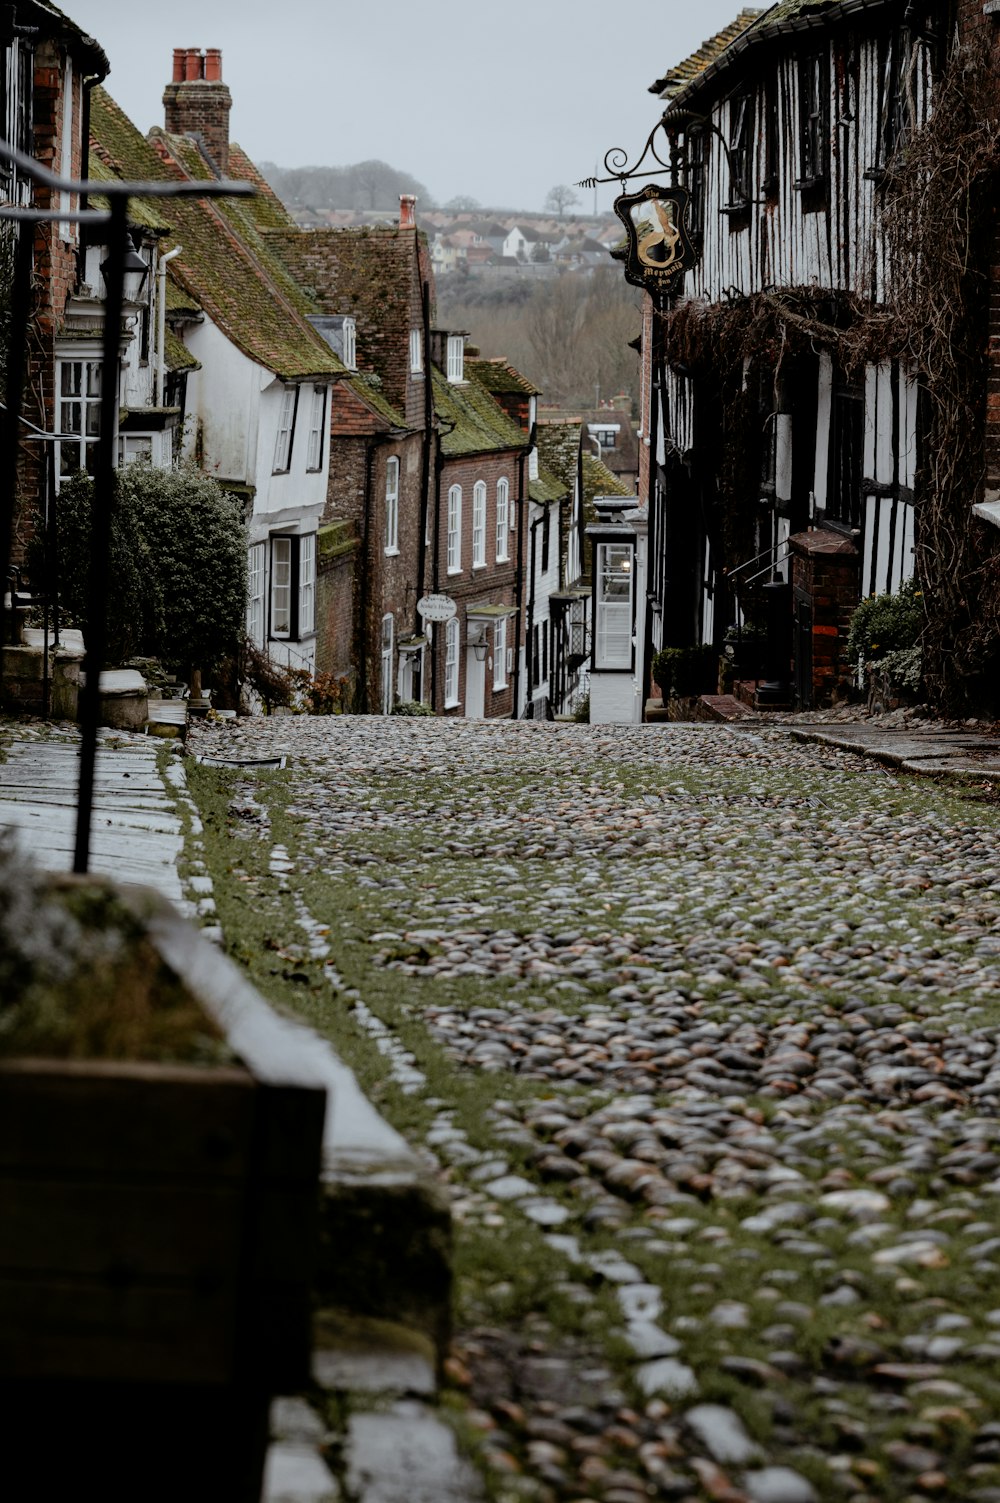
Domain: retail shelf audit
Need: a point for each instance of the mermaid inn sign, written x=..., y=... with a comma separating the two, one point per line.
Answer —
x=657, y=250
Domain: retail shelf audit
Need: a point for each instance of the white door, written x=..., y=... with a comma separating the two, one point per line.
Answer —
x=475, y=686
x=388, y=634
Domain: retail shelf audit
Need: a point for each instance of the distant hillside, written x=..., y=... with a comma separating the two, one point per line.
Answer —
x=365, y=187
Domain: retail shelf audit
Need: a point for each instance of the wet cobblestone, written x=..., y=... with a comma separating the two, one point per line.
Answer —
x=709, y=1017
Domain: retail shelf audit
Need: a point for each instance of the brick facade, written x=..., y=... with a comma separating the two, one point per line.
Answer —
x=826, y=572
x=490, y=585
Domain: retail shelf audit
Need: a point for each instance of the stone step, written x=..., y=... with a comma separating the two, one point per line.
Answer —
x=725, y=707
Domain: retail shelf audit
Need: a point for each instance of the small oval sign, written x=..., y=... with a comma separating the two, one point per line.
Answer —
x=437, y=607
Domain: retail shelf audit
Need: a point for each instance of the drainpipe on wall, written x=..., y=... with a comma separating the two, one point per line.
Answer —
x=161, y=325
x=361, y=698
x=519, y=574
x=425, y=448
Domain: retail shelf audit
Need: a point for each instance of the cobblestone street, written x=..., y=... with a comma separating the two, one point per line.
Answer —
x=699, y=1026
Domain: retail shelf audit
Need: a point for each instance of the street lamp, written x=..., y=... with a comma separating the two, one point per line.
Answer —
x=133, y=269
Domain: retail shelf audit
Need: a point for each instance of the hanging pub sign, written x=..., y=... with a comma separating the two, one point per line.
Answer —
x=657, y=250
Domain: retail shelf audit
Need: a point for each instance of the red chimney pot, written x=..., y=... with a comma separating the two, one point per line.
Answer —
x=180, y=54
x=213, y=65
x=193, y=66
x=407, y=211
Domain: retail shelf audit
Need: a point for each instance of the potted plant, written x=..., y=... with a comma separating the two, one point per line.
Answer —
x=160, y=1138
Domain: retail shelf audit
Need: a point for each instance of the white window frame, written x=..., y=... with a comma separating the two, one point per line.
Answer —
x=503, y=520
x=349, y=334
x=613, y=606
x=388, y=663
x=500, y=653
x=456, y=358
x=392, y=506
x=79, y=388
x=307, y=584
x=317, y=425
x=479, y=525
x=282, y=550
x=451, y=633
x=256, y=579
x=416, y=352
x=455, y=530
x=285, y=439
x=133, y=446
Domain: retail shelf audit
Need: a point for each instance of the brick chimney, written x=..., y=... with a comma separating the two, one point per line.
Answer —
x=197, y=103
x=407, y=211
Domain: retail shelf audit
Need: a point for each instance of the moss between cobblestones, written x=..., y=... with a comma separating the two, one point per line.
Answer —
x=507, y=1274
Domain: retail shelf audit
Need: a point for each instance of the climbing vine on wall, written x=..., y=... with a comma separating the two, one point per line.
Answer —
x=937, y=208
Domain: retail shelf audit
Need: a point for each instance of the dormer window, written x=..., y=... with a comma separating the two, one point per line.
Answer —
x=350, y=356
x=456, y=357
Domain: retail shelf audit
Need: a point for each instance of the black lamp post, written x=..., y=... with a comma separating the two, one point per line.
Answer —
x=123, y=261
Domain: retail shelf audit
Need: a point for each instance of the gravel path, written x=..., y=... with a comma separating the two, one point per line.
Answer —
x=700, y=1026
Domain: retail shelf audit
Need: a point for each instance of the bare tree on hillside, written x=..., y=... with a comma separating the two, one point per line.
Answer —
x=560, y=198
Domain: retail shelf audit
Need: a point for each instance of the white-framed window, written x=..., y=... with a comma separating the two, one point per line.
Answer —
x=479, y=525
x=455, y=530
x=293, y=586
x=133, y=446
x=286, y=431
x=350, y=335
x=307, y=584
x=451, y=663
x=317, y=426
x=392, y=505
x=503, y=520
x=613, y=605
x=256, y=560
x=388, y=654
x=79, y=414
x=500, y=653
x=281, y=587
x=456, y=357
x=416, y=351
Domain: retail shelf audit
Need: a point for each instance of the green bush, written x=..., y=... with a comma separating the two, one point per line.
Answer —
x=582, y=712
x=410, y=707
x=886, y=623
x=178, y=564
x=686, y=671
x=899, y=673
x=130, y=600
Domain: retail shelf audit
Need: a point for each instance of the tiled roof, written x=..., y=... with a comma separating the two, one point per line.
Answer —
x=476, y=423
x=684, y=73
x=369, y=389
x=367, y=273
x=547, y=488
x=598, y=480
x=178, y=356
x=497, y=375
x=225, y=267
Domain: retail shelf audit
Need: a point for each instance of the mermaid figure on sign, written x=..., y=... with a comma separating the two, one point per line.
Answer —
x=658, y=239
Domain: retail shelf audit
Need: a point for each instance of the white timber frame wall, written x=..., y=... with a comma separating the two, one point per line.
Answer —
x=782, y=236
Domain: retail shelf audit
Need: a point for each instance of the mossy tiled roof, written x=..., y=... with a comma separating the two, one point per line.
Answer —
x=546, y=487
x=497, y=375
x=692, y=67
x=369, y=389
x=225, y=267
x=178, y=356
x=476, y=423
x=598, y=480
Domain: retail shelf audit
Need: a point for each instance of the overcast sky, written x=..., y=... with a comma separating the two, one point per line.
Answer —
x=482, y=97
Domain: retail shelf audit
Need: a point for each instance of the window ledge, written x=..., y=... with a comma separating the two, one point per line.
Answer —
x=480, y=566
x=391, y=552
x=453, y=704
x=503, y=558
x=455, y=571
